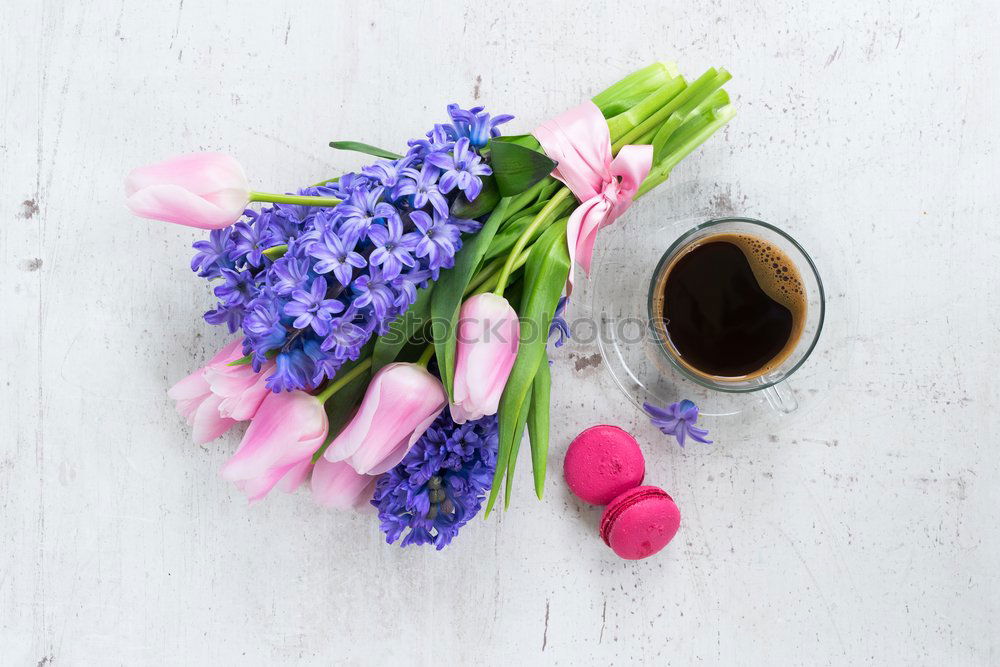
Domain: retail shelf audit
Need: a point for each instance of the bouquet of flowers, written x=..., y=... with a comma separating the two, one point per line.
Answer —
x=390, y=325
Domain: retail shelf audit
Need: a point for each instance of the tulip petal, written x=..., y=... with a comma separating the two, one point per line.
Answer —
x=286, y=478
x=399, y=399
x=338, y=485
x=396, y=454
x=192, y=387
x=399, y=452
x=207, y=424
x=200, y=173
x=241, y=389
x=353, y=435
x=172, y=203
x=287, y=428
x=294, y=478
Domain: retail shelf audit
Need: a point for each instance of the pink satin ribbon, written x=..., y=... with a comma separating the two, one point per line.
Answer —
x=580, y=142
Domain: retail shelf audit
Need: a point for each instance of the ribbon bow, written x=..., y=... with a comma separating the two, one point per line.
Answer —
x=580, y=142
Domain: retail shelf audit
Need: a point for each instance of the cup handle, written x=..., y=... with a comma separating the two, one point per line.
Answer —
x=781, y=398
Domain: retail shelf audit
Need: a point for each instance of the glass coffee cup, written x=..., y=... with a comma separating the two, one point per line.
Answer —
x=737, y=305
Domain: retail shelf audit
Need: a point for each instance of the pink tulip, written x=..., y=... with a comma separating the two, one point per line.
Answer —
x=203, y=190
x=338, y=485
x=487, y=340
x=196, y=402
x=279, y=443
x=287, y=479
x=400, y=403
x=239, y=388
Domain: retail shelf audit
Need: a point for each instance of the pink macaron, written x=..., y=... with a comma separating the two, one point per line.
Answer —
x=640, y=522
x=603, y=462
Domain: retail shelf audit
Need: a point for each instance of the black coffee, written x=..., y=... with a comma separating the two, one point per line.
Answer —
x=731, y=306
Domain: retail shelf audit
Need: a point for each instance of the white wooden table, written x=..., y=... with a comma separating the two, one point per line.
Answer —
x=867, y=534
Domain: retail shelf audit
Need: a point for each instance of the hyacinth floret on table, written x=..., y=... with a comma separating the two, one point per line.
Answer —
x=361, y=306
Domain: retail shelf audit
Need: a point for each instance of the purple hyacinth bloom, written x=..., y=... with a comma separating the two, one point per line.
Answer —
x=440, y=484
x=439, y=239
x=249, y=240
x=347, y=184
x=465, y=225
x=324, y=221
x=388, y=172
x=392, y=247
x=475, y=124
x=289, y=274
x=559, y=327
x=344, y=337
x=406, y=285
x=277, y=226
x=262, y=325
x=360, y=212
x=422, y=185
x=374, y=290
x=462, y=169
x=441, y=138
x=312, y=308
x=237, y=289
x=677, y=419
x=293, y=370
x=213, y=254
x=231, y=316
x=324, y=365
x=337, y=256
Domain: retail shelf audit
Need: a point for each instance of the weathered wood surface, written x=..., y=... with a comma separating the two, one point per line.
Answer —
x=866, y=534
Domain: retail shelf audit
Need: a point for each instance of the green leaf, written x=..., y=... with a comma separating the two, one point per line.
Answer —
x=525, y=140
x=538, y=424
x=511, y=231
x=448, y=293
x=519, y=430
x=517, y=168
x=340, y=407
x=276, y=252
x=368, y=149
x=244, y=361
x=402, y=329
x=540, y=192
x=483, y=204
x=544, y=278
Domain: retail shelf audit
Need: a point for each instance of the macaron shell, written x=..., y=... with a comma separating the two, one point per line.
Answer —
x=640, y=522
x=602, y=462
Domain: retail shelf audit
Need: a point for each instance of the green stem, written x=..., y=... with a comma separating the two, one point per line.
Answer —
x=624, y=122
x=525, y=199
x=343, y=380
x=634, y=88
x=544, y=216
x=687, y=142
x=696, y=90
x=487, y=272
x=425, y=356
x=302, y=200
x=490, y=283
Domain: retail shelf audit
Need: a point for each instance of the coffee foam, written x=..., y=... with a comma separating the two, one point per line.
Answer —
x=776, y=274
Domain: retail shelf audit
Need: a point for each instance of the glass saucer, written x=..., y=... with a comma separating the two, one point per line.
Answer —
x=625, y=259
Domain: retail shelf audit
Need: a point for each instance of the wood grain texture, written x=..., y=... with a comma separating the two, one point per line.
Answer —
x=869, y=534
